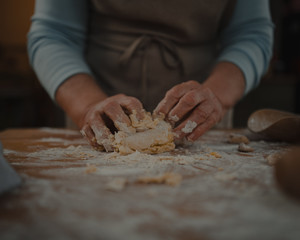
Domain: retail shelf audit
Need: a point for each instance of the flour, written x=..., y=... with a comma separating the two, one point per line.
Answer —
x=225, y=176
x=169, y=178
x=174, y=118
x=219, y=189
x=59, y=131
x=63, y=141
x=82, y=152
x=189, y=127
x=124, y=128
x=91, y=169
x=117, y=184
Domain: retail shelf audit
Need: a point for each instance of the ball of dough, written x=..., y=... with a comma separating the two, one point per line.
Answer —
x=150, y=135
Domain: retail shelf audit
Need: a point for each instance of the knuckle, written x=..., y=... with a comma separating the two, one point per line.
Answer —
x=119, y=95
x=192, y=83
x=132, y=101
x=203, y=128
x=173, y=91
x=215, y=118
x=208, y=93
x=201, y=113
x=92, y=118
x=190, y=99
x=116, y=98
x=172, y=94
x=109, y=105
x=83, y=131
x=84, y=128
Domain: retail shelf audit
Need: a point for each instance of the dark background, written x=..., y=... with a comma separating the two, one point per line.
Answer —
x=24, y=103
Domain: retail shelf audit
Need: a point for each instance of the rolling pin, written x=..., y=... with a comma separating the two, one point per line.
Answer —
x=287, y=173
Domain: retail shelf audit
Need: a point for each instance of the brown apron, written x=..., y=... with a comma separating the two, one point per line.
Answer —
x=143, y=48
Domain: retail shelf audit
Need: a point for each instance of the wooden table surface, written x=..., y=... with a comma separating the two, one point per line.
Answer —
x=71, y=191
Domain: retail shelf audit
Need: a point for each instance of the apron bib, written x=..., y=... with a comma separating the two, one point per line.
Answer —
x=143, y=48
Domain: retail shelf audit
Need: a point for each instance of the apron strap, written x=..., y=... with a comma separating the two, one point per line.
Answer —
x=167, y=51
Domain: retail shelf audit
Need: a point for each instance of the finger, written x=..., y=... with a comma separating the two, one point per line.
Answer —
x=89, y=135
x=187, y=103
x=202, y=128
x=119, y=118
x=173, y=96
x=133, y=105
x=115, y=112
x=199, y=115
x=101, y=132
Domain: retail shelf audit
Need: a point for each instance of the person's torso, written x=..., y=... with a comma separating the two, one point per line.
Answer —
x=171, y=41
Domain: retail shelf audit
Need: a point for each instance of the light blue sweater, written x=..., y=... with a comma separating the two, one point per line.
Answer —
x=56, y=40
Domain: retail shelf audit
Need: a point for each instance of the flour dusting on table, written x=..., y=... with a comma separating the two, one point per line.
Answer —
x=217, y=192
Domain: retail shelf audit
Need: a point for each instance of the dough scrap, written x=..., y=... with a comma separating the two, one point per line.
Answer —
x=149, y=135
x=245, y=148
x=91, y=168
x=238, y=138
x=169, y=178
x=215, y=154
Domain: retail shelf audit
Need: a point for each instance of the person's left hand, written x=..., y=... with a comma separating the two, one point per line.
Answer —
x=193, y=106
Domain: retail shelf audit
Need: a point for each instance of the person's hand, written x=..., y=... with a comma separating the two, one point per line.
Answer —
x=193, y=107
x=103, y=118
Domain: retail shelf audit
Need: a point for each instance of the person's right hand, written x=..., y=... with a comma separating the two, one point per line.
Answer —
x=103, y=118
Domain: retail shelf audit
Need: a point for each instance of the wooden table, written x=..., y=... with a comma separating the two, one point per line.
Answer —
x=71, y=191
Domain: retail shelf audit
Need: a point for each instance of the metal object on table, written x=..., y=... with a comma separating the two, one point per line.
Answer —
x=9, y=179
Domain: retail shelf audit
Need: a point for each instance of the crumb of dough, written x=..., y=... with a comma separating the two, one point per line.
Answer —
x=123, y=127
x=174, y=118
x=216, y=155
x=245, y=148
x=116, y=185
x=273, y=158
x=189, y=127
x=169, y=178
x=238, y=138
x=90, y=168
x=107, y=144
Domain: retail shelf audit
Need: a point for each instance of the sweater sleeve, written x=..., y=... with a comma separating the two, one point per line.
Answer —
x=56, y=41
x=247, y=41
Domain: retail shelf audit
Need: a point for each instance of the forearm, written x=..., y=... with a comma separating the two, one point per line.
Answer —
x=227, y=82
x=248, y=39
x=77, y=94
x=56, y=41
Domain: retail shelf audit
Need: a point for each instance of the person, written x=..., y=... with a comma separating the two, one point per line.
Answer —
x=101, y=60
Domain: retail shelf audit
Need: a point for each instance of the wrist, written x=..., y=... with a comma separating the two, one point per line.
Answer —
x=227, y=82
x=77, y=94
